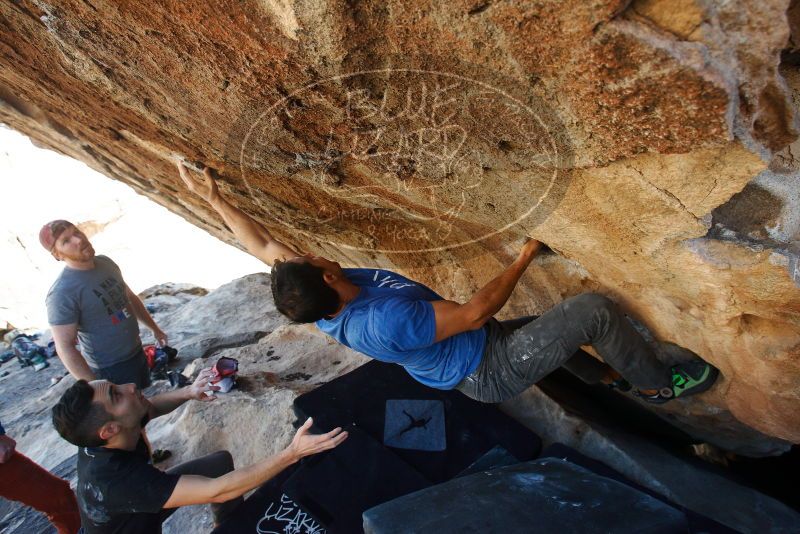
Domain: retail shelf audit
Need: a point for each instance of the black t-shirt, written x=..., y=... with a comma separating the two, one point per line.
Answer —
x=120, y=492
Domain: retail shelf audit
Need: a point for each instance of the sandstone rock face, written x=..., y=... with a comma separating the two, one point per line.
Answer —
x=648, y=142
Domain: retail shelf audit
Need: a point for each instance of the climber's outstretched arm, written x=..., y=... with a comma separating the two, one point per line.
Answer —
x=255, y=238
x=453, y=318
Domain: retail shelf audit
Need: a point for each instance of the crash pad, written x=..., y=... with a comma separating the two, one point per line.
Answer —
x=336, y=487
x=471, y=428
x=546, y=495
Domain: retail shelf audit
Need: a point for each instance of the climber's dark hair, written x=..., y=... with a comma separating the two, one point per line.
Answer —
x=300, y=292
x=77, y=418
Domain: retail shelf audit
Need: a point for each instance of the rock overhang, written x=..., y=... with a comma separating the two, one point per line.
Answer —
x=665, y=111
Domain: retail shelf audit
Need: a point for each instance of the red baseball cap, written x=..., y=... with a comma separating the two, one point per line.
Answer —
x=50, y=232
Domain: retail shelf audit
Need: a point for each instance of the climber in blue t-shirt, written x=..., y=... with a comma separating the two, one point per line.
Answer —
x=445, y=344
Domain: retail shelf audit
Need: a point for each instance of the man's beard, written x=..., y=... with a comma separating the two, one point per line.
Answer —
x=85, y=255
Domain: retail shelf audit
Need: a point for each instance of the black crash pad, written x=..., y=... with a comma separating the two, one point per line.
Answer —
x=546, y=495
x=497, y=457
x=698, y=524
x=471, y=428
x=415, y=424
x=269, y=509
x=336, y=487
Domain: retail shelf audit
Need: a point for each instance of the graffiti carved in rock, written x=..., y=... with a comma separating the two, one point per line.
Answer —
x=420, y=160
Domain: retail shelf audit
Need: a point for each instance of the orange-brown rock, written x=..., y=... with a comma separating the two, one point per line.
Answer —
x=634, y=138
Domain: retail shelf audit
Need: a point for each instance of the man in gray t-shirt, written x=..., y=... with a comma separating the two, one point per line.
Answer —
x=90, y=303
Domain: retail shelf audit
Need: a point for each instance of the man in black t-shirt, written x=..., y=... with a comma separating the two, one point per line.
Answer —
x=120, y=491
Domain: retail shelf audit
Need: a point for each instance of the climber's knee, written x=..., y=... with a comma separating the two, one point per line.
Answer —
x=594, y=302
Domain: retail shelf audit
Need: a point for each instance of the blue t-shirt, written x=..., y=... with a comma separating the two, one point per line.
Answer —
x=392, y=320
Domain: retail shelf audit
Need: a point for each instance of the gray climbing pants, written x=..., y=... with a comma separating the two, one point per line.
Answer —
x=521, y=352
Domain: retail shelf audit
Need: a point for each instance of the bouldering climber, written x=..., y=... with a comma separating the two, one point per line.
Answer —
x=445, y=344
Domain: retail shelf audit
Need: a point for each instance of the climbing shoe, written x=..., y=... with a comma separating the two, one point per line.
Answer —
x=693, y=377
x=689, y=378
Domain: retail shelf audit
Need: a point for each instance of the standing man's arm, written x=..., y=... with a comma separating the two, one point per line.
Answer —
x=255, y=238
x=63, y=314
x=144, y=317
x=65, y=338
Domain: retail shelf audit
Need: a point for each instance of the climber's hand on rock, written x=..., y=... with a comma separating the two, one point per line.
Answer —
x=529, y=250
x=207, y=188
x=198, y=389
x=305, y=444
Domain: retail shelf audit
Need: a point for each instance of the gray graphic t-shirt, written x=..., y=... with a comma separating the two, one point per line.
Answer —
x=95, y=299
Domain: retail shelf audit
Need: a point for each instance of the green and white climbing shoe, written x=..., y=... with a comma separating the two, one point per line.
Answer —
x=693, y=377
x=689, y=378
